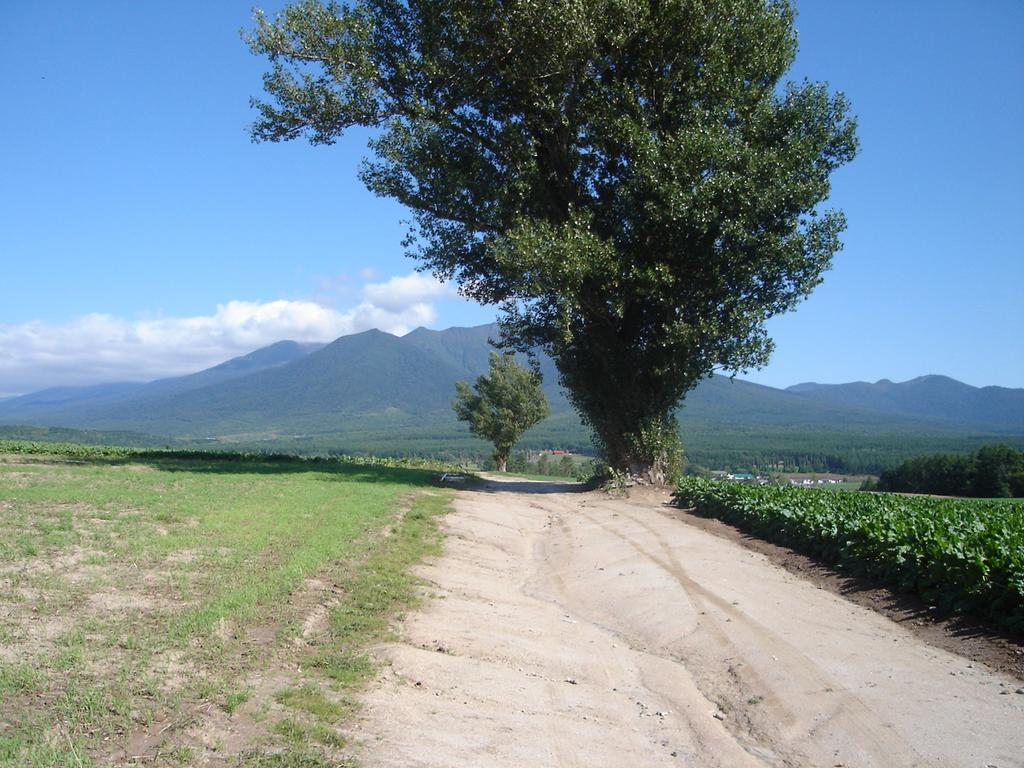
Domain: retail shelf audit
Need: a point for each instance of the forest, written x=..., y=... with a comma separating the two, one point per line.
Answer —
x=994, y=471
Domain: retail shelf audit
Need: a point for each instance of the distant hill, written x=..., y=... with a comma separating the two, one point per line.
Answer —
x=374, y=392
x=365, y=381
x=86, y=406
x=938, y=398
x=54, y=398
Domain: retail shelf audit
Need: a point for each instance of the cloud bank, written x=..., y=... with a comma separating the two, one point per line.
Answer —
x=100, y=348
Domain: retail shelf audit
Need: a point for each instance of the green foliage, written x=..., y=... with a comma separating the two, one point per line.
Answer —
x=998, y=472
x=75, y=450
x=995, y=471
x=575, y=467
x=23, y=433
x=566, y=466
x=959, y=555
x=655, y=447
x=309, y=698
x=502, y=404
x=235, y=699
x=629, y=180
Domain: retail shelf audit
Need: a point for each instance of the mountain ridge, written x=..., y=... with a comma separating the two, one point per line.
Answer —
x=375, y=388
x=932, y=395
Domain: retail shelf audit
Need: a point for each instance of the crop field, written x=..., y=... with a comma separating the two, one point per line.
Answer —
x=958, y=554
x=196, y=610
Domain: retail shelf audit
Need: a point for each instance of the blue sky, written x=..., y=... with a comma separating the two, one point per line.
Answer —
x=142, y=234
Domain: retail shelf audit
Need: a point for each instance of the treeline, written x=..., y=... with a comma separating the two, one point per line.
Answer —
x=549, y=465
x=18, y=432
x=995, y=471
x=760, y=449
x=773, y=449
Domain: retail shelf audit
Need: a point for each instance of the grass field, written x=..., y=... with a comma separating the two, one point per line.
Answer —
x=197, y=611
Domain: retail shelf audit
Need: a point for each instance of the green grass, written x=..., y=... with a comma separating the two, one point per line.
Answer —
x=18, y=678
x=137, y=582
x=309, y=698
x=233, y=700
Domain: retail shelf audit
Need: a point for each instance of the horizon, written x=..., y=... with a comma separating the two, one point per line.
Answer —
x=324, y=343
x=145, y=237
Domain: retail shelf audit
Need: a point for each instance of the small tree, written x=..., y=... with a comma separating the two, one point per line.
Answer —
x=566, y=466
x=502, y=405
x=518, y=463
x=543, y=464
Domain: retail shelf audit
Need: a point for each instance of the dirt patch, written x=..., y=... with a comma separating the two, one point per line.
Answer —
x=966, y=637
x=576, y=629
x=173, y=668
x=37, y=632
x=319, y=598
x=182, y=557
x=16, y=479
x=116, y=600
x=256, y=662
x=61, y=563
x=22, y=458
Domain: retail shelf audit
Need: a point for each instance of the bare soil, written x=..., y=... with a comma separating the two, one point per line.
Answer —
x=574, y=629
x=966, y=636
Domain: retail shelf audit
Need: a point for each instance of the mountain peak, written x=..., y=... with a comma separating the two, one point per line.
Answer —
x=370, y=333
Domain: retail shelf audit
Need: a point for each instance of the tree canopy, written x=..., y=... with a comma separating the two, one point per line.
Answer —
x=994, y=471
x=506, y=402
x=630, y=180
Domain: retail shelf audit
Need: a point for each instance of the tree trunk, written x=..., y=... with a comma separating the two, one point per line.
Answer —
x=650, y=455
x=502, y=463
x=651, y=470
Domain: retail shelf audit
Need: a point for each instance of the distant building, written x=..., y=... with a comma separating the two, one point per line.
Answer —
x=739, y=477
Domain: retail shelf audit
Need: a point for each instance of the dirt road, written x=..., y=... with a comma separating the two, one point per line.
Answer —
x=570, y=629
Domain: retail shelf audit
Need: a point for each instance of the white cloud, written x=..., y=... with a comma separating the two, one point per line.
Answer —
x=102, y=348
x=414, y=288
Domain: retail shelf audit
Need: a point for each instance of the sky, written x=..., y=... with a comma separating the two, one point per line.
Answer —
x=143, y=235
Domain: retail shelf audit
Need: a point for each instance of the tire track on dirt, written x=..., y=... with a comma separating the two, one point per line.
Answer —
x=786, y=733
x=571, y=629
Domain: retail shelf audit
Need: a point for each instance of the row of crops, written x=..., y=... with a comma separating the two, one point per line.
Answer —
x=958, y=554
x=80, y=451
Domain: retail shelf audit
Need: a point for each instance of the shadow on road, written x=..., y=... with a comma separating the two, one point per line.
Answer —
x=494, y=484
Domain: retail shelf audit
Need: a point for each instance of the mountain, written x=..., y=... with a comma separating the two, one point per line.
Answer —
x=466, y=349
x=262, y=359
x=59, y=397
x=374, y=392
x=84, y=406
x=370, y=374
x=939, y=398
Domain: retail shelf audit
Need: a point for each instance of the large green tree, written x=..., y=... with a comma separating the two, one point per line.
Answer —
x=502, y=405
x=630, y=180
